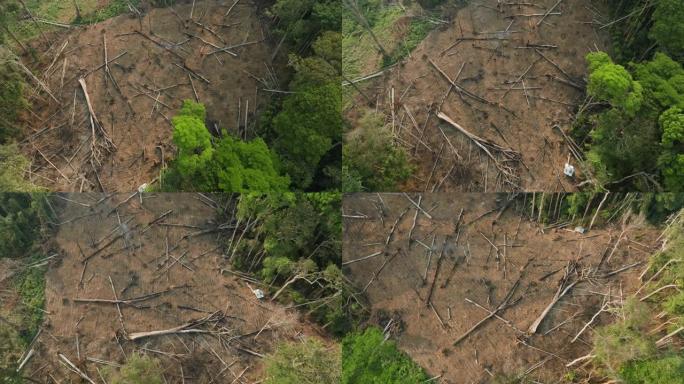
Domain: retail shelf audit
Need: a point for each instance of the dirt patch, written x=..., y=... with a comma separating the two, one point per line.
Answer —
x=472, y=269
x=157, y=61
x=177, y=260
x=487, y=49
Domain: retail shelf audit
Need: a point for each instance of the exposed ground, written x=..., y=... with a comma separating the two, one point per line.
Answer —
x=543, y=262
x=154, y=63
x=177, y=260
x=516, y=80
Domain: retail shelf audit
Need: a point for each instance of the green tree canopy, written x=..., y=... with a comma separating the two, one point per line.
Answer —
x=12, y=100
x=671, y=161
x=613, y=83
x=367, y=358
x=306, y=128
x=371, y=159
x=640, y=134
x=12, y=167
x=668, y=26
x=229, y=165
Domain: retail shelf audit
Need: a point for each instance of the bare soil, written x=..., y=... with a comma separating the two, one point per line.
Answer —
x=495, y=44
x=472, y=269
x=140, y=261
x=165, y=55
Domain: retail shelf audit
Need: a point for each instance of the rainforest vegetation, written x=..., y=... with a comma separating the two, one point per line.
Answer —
x=632, y=125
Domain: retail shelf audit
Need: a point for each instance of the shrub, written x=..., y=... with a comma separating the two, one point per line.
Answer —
x=12, y=100
x=12, y=167
x=642, y=130
x=626, y=341
x=367, y=358
x=665, y=370
x=371, y=157
x=307, y=362
x=230, y=165
x=138, y=369
x=668, y=26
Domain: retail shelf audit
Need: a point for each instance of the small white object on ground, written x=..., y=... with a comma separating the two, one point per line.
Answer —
x=569, y=170
x=258, y=293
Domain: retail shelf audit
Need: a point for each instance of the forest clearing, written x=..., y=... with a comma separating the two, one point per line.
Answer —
x=487, y=96
x=481, y=288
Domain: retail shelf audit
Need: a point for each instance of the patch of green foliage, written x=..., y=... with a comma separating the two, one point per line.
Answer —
x=625, y=341
x=306, y=362
x=13, y=164
x=12, y=100
x=298, y=20
x=646, y=28
x=626, y=348
x=579, y=208
x=138, y=369
x=229, y=165
x=668, y=27
x=664, y=370
x=305, y=128
x=418, y=30
x=641, y=133
x=21, y=221
x=368, y=358
x=372, y=161
x=308, y=125
x=30, y=285
x=112, y=9
x=300, y=237
x=11, y=347
x=21, y=216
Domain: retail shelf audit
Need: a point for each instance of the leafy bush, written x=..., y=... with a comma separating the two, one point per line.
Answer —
x=668, y=27
x=367, y=358
x=12, y=100
x=12, y=167
x=112, y=9
x=300, y=237
x=230, y=165
x=308, y=362
x=371, y=157
x=138, y=369
x=641, y=132
x=665, y=370
x=306, y=128
x=11, y=347
x=620, y=343
x=298, y=20
x=21, y=216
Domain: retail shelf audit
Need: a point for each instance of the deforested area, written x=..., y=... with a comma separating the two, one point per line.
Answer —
x=169, y=95
x=478, y=96
x=171, y=288
x=519, y=288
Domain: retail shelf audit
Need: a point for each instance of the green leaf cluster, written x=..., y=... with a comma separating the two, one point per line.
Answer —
x=641, y=131
x=371, y=159
x=138, y=369
x=21, y=217
x=368, y=358
x=227, y=164
x=306, y=128
x=306, y=362
x=668, y=27
x=12, y=100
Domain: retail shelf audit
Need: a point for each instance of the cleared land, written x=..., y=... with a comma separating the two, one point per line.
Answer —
x=470, y=289
x=485, y=100
x=150, y=277
x=100, y=116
